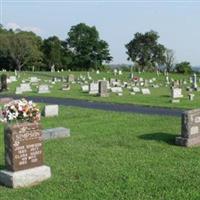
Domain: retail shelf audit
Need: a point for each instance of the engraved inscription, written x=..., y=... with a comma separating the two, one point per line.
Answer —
x=23, y=146
x=194, y=130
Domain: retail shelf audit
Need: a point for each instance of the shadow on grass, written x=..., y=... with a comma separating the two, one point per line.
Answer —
x=160, y=137
x=165, y=96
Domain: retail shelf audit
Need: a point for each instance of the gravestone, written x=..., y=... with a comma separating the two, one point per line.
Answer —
x=136, y=89
x=146, y=91
x=116, y=89
x=3, y=82
x=51, y=110
x=25, y=87
x=70, y=78
x=66, y=87
x=194, y=81
x=43, y=89
x=23, y=156
x=53, y=68
x=85, y=88
x=167, y=79
x=18, y=90
x=175, y=100
x=191, y=97
x=5, y=100
x=55, y=133
x=190, y=128
x=103, y=92
x=176, y=93
x=94, y=88
x=34, y=79
x=146, y=83
x=8, y=80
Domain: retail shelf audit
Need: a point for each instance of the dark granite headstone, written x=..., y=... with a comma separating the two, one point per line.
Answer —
x=3, y=82
x=190, y=129
x=23, y=146
x=103, y=89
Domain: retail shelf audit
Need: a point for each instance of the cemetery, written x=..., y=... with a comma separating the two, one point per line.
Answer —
x=99, y=110
x=80, y=145
x=178, y=91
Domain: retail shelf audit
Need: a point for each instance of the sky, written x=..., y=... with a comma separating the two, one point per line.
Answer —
x=176, y=21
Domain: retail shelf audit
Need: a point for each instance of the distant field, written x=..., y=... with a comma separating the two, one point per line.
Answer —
x=159, y=96
x=114, y=156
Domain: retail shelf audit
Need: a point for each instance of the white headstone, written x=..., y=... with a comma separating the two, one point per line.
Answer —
x=51, y=110
x=43, y=89
x=34, y=79
x=25, y=87
x=85, y=88
x=146, y=91
x=136, y=89
x=116, y=89
x=94, y=88
x=176, y=93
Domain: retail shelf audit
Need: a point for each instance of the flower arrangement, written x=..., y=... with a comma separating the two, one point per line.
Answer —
x=20, y=110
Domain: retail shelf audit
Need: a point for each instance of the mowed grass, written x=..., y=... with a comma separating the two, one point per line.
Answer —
x=159, y=96
x=114, y=156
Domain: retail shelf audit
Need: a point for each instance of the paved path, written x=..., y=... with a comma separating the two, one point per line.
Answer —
x=104, y=106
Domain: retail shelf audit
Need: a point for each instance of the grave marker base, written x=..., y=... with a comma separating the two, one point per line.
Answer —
x=25, y=178
x=187, y=142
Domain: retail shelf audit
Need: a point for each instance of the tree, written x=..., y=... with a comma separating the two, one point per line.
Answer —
x=145, y=50
x=87, y=48
x=6, y=61
x=169, y=59
x=23, y=48
x=183, y=67
x=52, y=50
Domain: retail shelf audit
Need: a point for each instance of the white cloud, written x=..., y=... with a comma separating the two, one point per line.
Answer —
x=14, y=26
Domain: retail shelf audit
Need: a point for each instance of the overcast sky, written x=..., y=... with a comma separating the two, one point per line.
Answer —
x=177, y=22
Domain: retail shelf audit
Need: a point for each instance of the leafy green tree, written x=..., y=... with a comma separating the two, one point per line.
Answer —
x=183, y=67
x=145, y=50
x=23, y=48
x=6, y=61
x=88, y=50
x=56, y=53
x=52, y=50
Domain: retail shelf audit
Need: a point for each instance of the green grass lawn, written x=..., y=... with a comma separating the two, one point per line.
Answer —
x=159, y=96
x=114, y=156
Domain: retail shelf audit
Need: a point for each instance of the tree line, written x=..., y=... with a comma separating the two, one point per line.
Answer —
x=81, y=50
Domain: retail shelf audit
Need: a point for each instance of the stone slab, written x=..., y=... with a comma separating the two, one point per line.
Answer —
x=54, y=133
x=25, y=178
x=5, y=100
x=51, y=110
x=146, y=91
x=175, y=100
x=187, y=142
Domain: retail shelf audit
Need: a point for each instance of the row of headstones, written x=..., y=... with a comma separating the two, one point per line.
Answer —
x=44, y=88
x=102, y=88
x=176, y=94
x=25, y=87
